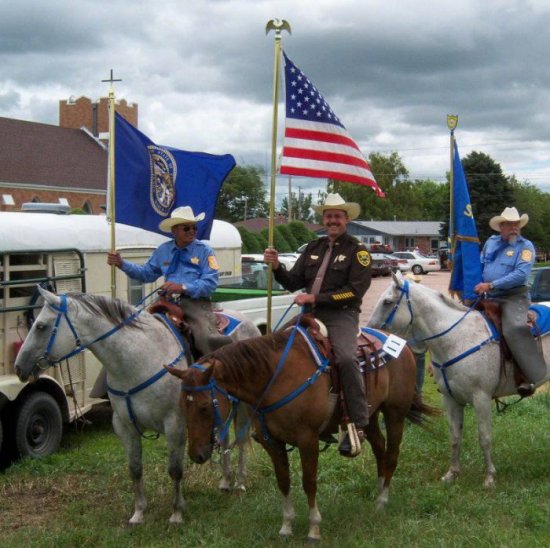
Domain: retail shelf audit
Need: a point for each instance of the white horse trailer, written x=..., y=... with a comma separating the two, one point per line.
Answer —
x=68, y=253
x=65, y=253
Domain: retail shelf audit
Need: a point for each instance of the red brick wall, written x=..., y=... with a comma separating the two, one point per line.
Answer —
x=79, y=113
x=75, y=199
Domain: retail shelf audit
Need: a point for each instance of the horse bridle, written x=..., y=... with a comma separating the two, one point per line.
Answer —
x=62, y=312
x=220, y=428
x=404, y=293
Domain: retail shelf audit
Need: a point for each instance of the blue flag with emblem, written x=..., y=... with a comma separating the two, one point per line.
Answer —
x=152, y=180
x=466, y=269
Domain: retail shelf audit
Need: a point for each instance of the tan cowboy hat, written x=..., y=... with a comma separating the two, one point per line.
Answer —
x=413, y=277
x=179, y=216
x=335, y=201
x=511, y=215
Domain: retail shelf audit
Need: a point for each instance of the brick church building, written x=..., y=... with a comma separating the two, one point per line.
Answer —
x=64, y=164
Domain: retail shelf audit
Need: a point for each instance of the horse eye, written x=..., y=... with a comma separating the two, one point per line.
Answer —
x=388, y=302
x=40, y=325
x=204, y=409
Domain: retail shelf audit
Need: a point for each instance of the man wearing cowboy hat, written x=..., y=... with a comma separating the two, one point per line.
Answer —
x=507, y=261
x=335, y=272
x=190, y=270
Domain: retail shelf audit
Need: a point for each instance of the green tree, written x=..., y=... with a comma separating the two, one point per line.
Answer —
x=490, y=190
x=536, y=203
x=279, y=241
x=390, y=173
x=289, y=237
x=300, y=232
x=301, y=206
x=249, y=241
x=242, y=194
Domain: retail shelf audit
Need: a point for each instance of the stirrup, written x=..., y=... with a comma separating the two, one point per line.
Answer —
x=352, y=437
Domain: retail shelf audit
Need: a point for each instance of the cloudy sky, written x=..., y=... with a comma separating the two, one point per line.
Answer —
x=202, y=72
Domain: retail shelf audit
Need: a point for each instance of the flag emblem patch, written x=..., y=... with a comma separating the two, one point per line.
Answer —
x=163, y=179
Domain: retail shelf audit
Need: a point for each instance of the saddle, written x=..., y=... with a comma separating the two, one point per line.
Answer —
x=493, y=312
x=176, y=315
x=368, y=351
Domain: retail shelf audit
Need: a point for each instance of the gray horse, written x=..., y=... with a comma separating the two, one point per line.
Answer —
x=464, y=373
x=134, y=349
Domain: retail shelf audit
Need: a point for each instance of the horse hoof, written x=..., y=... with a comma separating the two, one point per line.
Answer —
x=285, y=533
x=449, y=477
x=313, y=540
x=239, y=488
x=489, y=483
x=136, y=519
x=175, y=518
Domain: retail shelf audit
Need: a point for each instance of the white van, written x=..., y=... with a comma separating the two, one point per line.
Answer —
x=68, y=253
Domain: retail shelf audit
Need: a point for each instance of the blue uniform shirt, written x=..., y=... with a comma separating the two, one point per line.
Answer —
x=507, y=265
x=196, y=268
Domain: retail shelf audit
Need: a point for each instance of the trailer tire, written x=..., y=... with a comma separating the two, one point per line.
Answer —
x=1, y=435
x=38, y=426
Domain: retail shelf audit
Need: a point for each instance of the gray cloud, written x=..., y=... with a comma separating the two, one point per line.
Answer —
x=202, y=72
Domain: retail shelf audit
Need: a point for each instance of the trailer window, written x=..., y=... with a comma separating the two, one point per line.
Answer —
x=135, y=291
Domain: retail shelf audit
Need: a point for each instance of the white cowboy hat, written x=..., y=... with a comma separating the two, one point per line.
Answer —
x=179, y=216
x=511, y=215
x=335, y=201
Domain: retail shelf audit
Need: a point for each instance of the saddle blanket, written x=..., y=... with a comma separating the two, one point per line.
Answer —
x=383, y=356
x=542, y=314
x=226, y=323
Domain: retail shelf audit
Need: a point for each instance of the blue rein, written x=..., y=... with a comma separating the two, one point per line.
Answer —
x=62, y=311
x=442, y=367
x=212, y=386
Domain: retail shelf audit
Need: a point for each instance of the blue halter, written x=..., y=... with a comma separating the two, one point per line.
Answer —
x=404, y=293
x=62, y=312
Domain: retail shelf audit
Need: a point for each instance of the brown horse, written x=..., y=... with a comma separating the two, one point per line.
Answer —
x=290, y=400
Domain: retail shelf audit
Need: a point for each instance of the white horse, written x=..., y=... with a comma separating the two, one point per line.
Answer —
x=464, y=373
x=133, y=346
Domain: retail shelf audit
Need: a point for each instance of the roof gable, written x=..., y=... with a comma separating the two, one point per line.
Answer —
x=43, y=154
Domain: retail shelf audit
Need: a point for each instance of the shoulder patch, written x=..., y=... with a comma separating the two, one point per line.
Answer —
x=363, y=257
x=526, y=255
x=212, y=263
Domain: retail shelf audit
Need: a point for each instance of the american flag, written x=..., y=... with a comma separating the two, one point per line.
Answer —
x=316, y=142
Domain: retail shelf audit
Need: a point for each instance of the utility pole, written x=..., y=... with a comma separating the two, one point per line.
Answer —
x=289, y=198
x=299, y=215
x=245, y=206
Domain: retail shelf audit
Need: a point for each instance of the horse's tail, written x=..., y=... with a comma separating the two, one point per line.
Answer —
x=420, y=412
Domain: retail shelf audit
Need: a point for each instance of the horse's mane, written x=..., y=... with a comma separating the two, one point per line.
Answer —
x=251, y=356
x=446, y=299
x=114, y=310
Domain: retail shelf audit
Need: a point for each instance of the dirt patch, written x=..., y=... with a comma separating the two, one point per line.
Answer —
x=28, y=505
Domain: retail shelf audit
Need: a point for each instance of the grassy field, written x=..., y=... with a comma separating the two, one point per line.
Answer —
x=81, y=496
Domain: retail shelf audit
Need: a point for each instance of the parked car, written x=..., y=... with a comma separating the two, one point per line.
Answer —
x=539, y=284
x=381, y=265
x=417, y=262
x=396, y=263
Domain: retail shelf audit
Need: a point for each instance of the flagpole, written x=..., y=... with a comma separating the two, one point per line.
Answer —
x=112, y=210
x=278, y=25
x=452, y=122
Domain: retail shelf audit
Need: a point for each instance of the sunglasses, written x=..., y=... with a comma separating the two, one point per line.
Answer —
x=187, y=228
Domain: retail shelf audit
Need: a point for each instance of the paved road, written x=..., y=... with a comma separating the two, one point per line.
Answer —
x=436, y=280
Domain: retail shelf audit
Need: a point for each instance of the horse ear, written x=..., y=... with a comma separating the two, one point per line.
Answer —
x=176, y=372
x=397, y=278
x=50, y=298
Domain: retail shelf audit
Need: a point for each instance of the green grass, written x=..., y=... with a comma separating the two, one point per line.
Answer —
x=82, y=496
